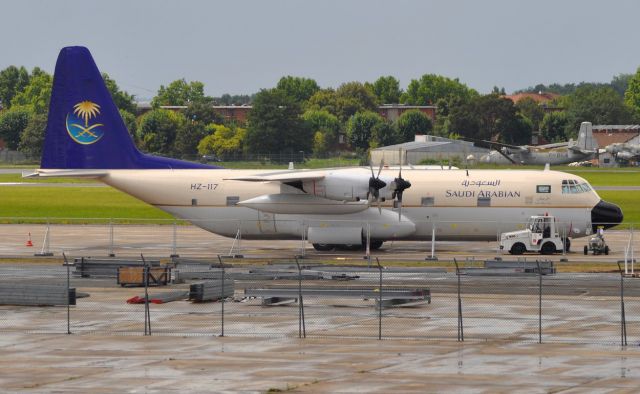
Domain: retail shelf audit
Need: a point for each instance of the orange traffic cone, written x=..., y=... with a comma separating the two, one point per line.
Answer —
x=29, y=243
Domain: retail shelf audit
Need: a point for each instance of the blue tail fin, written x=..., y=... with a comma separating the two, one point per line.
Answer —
x=85, y=130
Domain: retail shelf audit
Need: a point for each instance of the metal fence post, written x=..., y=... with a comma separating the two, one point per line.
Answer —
x=111, y=252
x=379, y=301
x=66, y=262
x=460, y=325
x=303, y=243
x=174, y=246
x=368, y=245
x=45, y=251
x=222, y=307
x=302, y=332
x=539, y=302
x=433, y=242
x=623, y=319
x=147, y=312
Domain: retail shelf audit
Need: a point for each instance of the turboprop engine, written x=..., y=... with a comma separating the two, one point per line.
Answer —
x=352, y=185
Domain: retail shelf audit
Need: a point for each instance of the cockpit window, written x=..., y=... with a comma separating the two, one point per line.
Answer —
x=573, y=186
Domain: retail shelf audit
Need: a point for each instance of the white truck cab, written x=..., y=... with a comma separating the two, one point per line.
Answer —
x=541, y=236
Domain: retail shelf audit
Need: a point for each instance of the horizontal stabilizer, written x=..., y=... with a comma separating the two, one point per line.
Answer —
x=43, y=173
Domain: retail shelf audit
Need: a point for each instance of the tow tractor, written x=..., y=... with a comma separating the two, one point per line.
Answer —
x=597, y=244
x=540, y=235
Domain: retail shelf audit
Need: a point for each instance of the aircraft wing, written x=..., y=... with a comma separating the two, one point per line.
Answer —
x=282, y=177
x=495, y=145
x=554, y=145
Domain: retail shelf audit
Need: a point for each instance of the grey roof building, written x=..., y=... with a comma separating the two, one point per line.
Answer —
x=430, y=148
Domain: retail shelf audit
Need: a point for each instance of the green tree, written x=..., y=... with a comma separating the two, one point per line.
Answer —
x=490, y=116
x=530, y=109
x=498, y=91
x=412, y=122
x=320, y=145
x=620, y=83
x=130, y=123
x=187, y=138
x=554, y=125
x=386, y=89
x=352, y=97
x=383, y=134
x=323, y=99
x=300, y=89
x=180, y=92
x=12, y=123
x=238, y=99
x=326, y=128
x=596, y=104
x=202, y=112
x=222, y=140
x=12, y=81
x=32, y=137
x=122, y=99
x=36, y=94
x=632, y=94
x=430, y=88
x=360, y=129
x=158, y=129
x=275, y=124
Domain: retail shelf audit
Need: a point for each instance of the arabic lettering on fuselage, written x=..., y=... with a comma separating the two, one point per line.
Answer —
x=468, y=183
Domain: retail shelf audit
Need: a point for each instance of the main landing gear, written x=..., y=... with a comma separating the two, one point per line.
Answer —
x=374, y=245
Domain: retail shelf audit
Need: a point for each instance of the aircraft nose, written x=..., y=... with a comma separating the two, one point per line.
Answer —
x=605, y=214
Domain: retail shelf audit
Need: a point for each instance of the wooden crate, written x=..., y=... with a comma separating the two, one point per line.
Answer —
x=134, y=276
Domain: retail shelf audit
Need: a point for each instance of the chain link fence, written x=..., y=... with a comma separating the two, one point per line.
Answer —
x=459, y=300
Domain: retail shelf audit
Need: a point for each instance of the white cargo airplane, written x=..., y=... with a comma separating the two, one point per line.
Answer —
x=86, y=137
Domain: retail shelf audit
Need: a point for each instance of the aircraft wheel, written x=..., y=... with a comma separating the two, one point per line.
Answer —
x=375, y=245
x=567, y=244
x=518, y=248
x=606, y=250
x=323, y=247
x=548, y=248
x=586, y=250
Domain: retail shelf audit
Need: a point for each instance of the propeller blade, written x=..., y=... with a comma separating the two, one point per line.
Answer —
x=380, y=207
x=399, y=210
x=400, y=158
x=380, y=168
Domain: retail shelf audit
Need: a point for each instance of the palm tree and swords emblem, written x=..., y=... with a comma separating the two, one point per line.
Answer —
x=78, y=125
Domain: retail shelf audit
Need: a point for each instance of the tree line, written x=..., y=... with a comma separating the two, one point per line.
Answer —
x=298, y=115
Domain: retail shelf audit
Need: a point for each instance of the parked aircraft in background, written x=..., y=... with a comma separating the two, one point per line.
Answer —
x=624, y=152
x=585, y=148
x=86, y=137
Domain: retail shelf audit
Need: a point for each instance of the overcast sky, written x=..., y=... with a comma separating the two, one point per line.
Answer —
x=242, y=46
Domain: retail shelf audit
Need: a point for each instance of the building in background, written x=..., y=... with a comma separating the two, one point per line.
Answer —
x=429, y=149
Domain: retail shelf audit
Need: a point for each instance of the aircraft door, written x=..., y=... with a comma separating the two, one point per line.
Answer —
x=267, y=222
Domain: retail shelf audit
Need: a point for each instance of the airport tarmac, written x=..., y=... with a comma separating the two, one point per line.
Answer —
x=260, y=351
x=191, y=241
x=101, y=364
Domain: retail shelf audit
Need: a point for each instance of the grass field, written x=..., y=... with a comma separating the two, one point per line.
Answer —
x=627, y=200
x=17, y=178
x=36, y=204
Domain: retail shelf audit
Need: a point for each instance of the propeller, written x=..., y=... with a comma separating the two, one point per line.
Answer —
x=399, y=186
x=375, y=184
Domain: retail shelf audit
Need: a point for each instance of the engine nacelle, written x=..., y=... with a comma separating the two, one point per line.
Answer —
x=345, y=185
